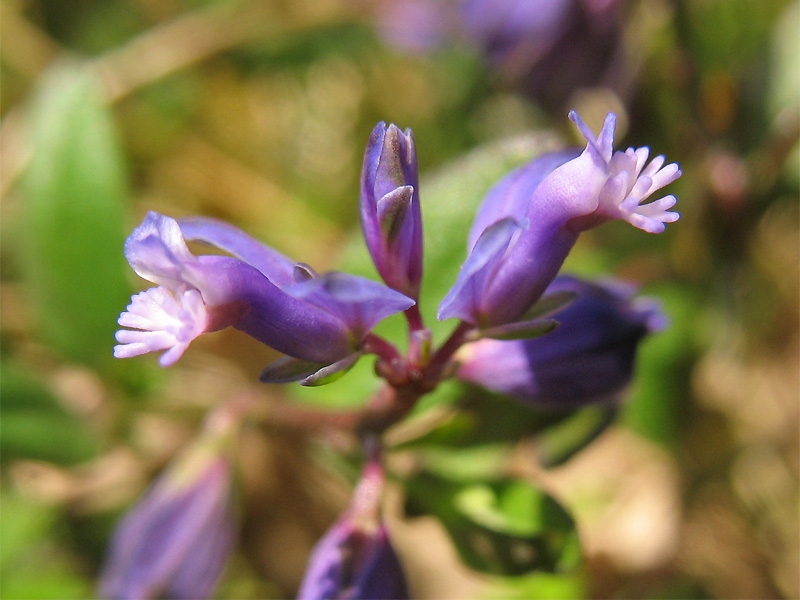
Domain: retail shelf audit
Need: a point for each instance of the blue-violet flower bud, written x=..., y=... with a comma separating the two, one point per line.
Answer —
x=390, y=211
x=588, y=359
x=175, y=542
x=531, y=219
x=355, y=559
x=257, y=290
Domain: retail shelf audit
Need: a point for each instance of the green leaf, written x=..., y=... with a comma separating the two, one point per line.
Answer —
x=503, y=527
x=32, y=565
x=36, y=426
x=477, y=417
x=557, y=444
x=539, y=586
x=74, y=194
x=657, y=405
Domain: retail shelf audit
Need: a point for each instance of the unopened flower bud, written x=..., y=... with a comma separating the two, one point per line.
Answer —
x=588, y=359
x=175, y=542
x=355, y=559
x=390, y=212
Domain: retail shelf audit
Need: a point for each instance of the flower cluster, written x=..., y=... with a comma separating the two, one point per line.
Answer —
x=550, y=341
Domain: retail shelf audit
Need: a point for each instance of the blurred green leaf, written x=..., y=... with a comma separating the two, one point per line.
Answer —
x=503, y=527
x=450, y=198
x=32, y=566
x=740, y=28
x=479, y=417
x=466, y=464
x=22, y=525
x=557, y=444
x=538, y=586
x=36, y=426
x=784, y=86
x=74, y=193
x=661, y=388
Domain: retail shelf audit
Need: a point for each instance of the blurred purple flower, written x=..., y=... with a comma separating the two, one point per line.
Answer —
x=260, y=292
x=548, y=49
x=588, y=359
x=390, y=211
x=529, y=222
x=415, y=25
x=175, y=542
x=355, y=559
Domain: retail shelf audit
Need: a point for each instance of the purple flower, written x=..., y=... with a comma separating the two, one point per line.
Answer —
x=588, y=359
x=176, y=541
x=529, y=222
x=414, y=25
x=548, y=49
x=355, y=559
x=285, y=305
x=390, y=210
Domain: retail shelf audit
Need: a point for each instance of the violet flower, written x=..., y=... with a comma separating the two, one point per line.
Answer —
x=415, y=25
x=549, y=49
x=355, y=559
x=177, y=539
x=588, y=359
x=390, y=211
x=546, y=49
x=285, y=305
x=531, y=219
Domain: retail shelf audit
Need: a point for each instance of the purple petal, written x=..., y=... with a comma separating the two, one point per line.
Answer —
x=589, y=358
x=464, y=300
x=270, y=315
x=511, y=196
x=172, y=529
x=198, y=577
x=274, y=265
x=358, y=302
x=157, y=252
x=348, y=563
x=526, y=270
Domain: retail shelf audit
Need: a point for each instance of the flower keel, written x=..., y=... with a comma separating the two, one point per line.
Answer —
x=160, y=319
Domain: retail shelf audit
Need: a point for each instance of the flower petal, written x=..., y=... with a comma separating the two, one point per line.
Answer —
x=358, y=302
x=464, y=299
x=274, y=265
x=588, y=359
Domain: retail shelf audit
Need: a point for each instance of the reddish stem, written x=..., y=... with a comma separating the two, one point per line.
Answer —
x=414, y=318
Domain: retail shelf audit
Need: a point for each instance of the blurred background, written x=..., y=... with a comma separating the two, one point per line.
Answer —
x=257, y=112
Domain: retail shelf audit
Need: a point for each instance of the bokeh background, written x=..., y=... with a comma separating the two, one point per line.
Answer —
x=257, y=112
